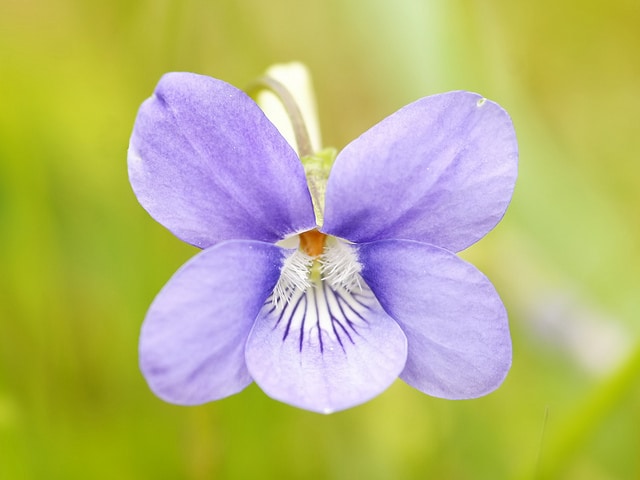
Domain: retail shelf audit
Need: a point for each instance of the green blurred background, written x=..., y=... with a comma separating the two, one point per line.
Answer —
x=80, y=260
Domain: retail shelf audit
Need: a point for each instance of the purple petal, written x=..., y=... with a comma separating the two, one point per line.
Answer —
x=441, y=170
x=192, y=340
x=207, y=164
x=455, y=322
x=326, y=350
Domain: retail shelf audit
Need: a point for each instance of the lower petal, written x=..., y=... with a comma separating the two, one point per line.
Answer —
x=192, y=340
x=455, y=322
x=326, y=349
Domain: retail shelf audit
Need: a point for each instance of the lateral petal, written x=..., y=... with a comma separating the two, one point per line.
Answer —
x=455, y=322
x=326, y=349
x=207, y=164
x=440, y=170
x=193, y=337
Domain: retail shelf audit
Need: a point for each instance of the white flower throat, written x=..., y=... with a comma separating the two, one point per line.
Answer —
x=318, y=259
x=320, y=300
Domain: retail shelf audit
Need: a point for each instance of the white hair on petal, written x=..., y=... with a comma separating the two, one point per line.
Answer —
x=339, y=266
x=294, y=276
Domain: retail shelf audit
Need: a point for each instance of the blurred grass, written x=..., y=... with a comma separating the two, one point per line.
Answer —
x=81, y=261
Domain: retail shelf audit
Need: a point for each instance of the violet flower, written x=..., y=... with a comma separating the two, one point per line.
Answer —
x=371, y=292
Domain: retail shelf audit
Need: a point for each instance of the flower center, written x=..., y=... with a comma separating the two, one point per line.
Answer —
x=320, y=259
x=312, y=242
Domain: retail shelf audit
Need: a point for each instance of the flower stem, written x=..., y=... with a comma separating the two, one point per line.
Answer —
x=316, y=164
x=300, y=132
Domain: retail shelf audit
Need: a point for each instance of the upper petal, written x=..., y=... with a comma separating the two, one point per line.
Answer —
x=207, y=164
x=440, y=170
x=192, y=340
x=326, y=350
x=455, y=322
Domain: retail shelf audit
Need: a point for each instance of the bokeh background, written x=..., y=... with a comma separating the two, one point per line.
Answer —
x=80, y=260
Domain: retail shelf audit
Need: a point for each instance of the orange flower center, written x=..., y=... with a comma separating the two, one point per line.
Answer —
x=312, y=242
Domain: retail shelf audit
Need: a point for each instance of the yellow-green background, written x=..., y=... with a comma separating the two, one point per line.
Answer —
x=80, y=260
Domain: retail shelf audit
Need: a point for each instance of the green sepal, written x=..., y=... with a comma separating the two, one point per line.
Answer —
x=317, y=167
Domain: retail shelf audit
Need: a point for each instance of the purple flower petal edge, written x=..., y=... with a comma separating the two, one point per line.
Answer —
x=455, y=322
x=441, y=170
x=327, y=350
x=193, y=337
x=207, y=164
